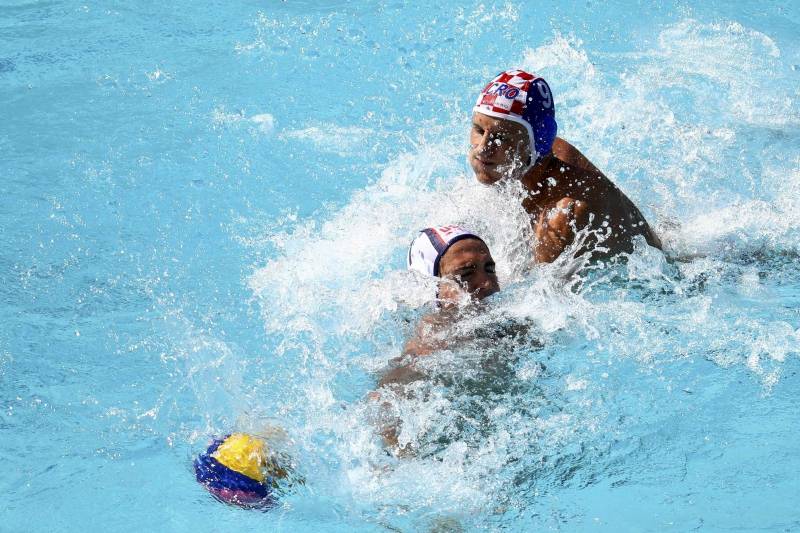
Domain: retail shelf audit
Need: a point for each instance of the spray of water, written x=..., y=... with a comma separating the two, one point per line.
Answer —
x=567, y=379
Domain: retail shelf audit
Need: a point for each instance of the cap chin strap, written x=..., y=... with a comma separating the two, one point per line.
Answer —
x=531, y=162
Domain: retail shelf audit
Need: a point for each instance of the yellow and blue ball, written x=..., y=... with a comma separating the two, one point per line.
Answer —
x=236, y=469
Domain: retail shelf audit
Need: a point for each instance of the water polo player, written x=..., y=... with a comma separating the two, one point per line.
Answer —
x=513, y=136
x=463, y=264
x=460, y=258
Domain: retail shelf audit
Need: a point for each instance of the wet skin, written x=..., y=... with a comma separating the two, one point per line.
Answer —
x=469, y=268
x=468, y=275
x=565, y=191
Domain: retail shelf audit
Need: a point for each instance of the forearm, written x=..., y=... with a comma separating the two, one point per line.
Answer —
x=385, y=417
x=547, y=252
x=555, y=229
x=387, y=425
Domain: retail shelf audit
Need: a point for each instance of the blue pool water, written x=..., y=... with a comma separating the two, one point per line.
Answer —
x=204, y=216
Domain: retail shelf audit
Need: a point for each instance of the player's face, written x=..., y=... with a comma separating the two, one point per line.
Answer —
x=468, y=263
x=498, y=148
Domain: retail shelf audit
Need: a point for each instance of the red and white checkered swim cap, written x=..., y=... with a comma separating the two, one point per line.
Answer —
x=431, y=244
x=526, y=99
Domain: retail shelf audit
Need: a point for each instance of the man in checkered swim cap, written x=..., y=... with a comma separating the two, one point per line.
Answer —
x=513, y=136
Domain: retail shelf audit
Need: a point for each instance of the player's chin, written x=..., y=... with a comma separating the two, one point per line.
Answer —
x=486, y=176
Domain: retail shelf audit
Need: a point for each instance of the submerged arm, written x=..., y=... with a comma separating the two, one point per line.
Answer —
x=394, y=383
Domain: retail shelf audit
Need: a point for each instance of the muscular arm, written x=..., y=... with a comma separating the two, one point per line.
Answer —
x=556, y=225
x=556, y=235
x=431, y=333
x=555, y=229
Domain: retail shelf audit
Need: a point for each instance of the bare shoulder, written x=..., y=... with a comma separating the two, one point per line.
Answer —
x=404, y=373
x=425, y=341
x=431, y=335
x=592, y=199
x=567, y=153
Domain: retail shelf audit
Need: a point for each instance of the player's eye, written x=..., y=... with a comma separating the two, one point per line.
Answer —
x=465, y=273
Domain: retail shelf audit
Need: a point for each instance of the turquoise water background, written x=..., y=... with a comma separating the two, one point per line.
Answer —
x=205, y=211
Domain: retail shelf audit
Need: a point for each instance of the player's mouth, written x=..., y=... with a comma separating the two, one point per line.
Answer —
x=484, y=164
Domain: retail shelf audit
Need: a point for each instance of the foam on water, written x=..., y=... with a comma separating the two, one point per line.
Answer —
x=702, y=169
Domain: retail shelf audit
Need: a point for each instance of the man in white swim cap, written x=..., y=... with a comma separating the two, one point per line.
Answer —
x=466, y=275
x=457, y=256
x=513, y=136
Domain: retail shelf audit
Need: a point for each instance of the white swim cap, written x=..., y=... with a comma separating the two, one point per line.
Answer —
x=431, y=244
